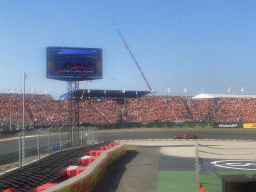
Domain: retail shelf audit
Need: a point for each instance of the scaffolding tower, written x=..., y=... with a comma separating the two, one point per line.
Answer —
x=73, y=103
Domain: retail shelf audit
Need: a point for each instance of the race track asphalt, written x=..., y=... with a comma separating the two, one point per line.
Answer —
x=142, y=167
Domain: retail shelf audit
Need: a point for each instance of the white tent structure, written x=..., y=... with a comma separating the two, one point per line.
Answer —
x=202, y=96
x=208, y=96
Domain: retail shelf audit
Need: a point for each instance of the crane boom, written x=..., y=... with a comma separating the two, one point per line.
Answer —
x=125, y=44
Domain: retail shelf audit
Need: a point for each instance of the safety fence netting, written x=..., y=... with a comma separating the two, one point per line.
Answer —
x=50, y=169
x=218, y=162
x=30, y=145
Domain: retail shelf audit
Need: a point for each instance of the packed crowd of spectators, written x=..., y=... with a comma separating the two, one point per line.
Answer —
x=97, y=111
x=156, y=109
x=237, y=109
x=200, y=108
x=44, y=110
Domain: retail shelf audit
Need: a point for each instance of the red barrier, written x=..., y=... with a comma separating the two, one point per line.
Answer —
x=90, y=160
x=80, y=169
x=71, y=171
x=84, y=159
x=104, y=148
x=112, y=145
x=45, y=186
x=95, y=153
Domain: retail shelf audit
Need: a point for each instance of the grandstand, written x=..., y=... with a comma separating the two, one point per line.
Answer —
x=43, y=110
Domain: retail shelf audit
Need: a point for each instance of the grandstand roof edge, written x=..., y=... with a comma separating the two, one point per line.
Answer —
x=205, y=95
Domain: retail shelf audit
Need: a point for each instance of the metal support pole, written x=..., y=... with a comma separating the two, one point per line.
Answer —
x=73, y=137
x=88, y=133
x=20, y=152
x=10, y=114
x=81, y=136
x=49, y=141
x=97, y=137
x=94, y=135
x=23, y=137
x=38, y=144
x=60, y=140
x=197, y=168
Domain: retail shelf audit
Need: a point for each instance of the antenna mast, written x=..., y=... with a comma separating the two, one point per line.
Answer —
x=125, y=44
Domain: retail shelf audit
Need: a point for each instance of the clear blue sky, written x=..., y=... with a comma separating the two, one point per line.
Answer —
x=197, y=45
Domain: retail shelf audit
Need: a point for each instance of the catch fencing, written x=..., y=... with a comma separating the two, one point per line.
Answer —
x=31, y=145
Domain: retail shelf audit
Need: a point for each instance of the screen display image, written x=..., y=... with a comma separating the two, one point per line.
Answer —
x=73, y=64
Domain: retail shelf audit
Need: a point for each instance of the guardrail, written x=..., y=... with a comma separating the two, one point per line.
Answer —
x=41, y=142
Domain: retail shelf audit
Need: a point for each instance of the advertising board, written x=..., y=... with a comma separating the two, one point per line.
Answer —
x=228, y=125
x=73, y=64
x=249, y=125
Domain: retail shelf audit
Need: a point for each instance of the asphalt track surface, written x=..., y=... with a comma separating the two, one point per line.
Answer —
x=154, y=133
x=138, y=169
x=11, y=144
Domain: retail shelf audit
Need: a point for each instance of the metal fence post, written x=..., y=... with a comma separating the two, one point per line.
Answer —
x=197, y=168
x=49, y=140
x=23, y=147
x=97, y=137
x=38, y=143
x=81, y=136
x=60, y=138
x=88, y=133
x=72, y=136
x=94, y=136
x=20, y=152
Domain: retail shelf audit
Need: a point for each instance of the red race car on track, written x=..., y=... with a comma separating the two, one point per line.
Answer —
x=186, y=136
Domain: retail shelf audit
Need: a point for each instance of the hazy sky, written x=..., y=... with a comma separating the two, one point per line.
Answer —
x=197, y=45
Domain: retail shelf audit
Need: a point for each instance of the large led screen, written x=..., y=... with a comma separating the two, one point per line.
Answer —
x=73, y=64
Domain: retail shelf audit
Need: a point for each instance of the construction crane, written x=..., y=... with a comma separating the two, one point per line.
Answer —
x=125, y=44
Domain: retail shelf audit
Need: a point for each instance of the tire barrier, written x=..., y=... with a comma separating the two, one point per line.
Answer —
x=86, y=180
x=50, y=169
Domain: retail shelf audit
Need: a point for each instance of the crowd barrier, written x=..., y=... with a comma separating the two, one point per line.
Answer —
x=86, y=180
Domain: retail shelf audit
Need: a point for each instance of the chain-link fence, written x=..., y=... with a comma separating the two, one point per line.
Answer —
x=34, y=144
x=218, y=159
x=9, y=152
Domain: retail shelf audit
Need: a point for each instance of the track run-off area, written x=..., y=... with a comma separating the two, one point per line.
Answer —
x=156, y=162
